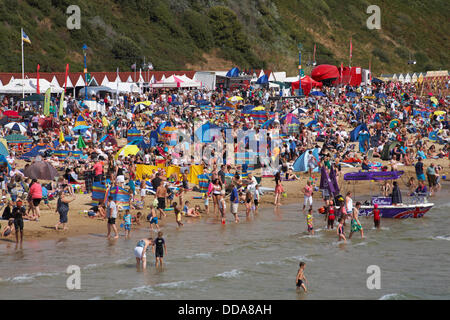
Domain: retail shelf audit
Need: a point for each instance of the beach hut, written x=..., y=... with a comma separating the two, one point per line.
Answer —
x=301, y=164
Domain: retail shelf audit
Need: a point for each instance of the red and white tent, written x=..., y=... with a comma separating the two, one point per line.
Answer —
x=176, y=82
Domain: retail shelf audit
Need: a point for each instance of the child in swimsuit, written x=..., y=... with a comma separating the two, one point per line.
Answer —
x=340, y=230
x=9, y=228
x=177, y=214
x=309, y=222
x=300, y=279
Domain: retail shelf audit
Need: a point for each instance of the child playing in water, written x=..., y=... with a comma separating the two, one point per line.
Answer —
x=153, y=219
x=340, y=230
x=9, y=228
x=376, y=216
x=159, y=246
x=300, y=279
x=309, y=222
x=355, y=224
x=127, y=223
x=177, y=214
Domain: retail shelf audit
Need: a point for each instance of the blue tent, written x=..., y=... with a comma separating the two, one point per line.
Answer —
x=154, y=138
x=34, y=152
x=311, y=123
x=233, y=73
x=355, y=132
x=318, y=93
x=301, y=164
x=206, y=132
x=363, y=138
x=266, y=124
x=203, y=102
x=263, y=80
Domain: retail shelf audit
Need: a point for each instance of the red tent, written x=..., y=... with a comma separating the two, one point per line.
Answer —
x=11, y=114
x=325, y=72
x=307, y=84
x=351, y=76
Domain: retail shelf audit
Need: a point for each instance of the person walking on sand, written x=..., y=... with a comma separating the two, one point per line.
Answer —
x=62, y=208
x=140, y=251
x=111, y=215
x=301, y=279
x=160, y=247
x=161, y=195
x=355, y=224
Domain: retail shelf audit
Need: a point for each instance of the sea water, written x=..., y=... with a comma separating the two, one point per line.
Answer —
x=255, y=259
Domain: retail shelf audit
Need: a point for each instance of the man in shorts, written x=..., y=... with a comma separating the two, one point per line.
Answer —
x=308, y=193
x=234, y=199
x=161, y=195
x=111, y=215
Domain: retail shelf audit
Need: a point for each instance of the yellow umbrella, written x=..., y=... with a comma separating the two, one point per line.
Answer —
x=145, y=103
x=260, y=108
x=235, y=99
x=127, y=150
x=439, y=113
x=105, y=121
x=434, y=100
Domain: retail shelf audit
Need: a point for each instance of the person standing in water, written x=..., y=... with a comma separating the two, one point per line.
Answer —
x=355, y=224
x=376, y=216
x=309, y=222
x=340, y=230
x=140, y=251
x=301, y=279
x=160, y=247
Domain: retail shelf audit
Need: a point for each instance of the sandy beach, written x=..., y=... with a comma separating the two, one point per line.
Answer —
x=81, y=224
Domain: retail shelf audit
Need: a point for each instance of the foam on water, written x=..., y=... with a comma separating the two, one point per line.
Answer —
x=28, y=278
x=441, y=238
x=206, y=255
x=392, y=296
x=139, y=290
x=235, y=273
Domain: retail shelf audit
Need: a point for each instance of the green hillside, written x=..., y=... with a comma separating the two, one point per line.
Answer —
x=181, y=34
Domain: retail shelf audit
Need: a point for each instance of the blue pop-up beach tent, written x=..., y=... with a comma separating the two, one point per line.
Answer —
x=355, y=132
x=207, y=131
x=233, y=73
x=301, y=164
x=262, y=80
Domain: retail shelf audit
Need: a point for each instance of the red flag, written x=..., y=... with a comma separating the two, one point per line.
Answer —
x=351, y=47
x=314, y=55
x=37, y=89
x=67, y=74
x=342, y=71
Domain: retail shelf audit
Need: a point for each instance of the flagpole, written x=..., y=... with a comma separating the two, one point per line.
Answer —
x=23, y=70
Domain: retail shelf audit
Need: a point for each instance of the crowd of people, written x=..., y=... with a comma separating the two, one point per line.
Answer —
x=334, y=116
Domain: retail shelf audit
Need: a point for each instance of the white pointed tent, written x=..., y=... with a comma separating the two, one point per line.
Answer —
x=175, y=81
x=18, y=86
x=44, y=85
x=105, y=81
x=130, y=79
x=80, y=82
x=414, y=78
x=401, y=78
x=152, y=80
x=408, y=78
